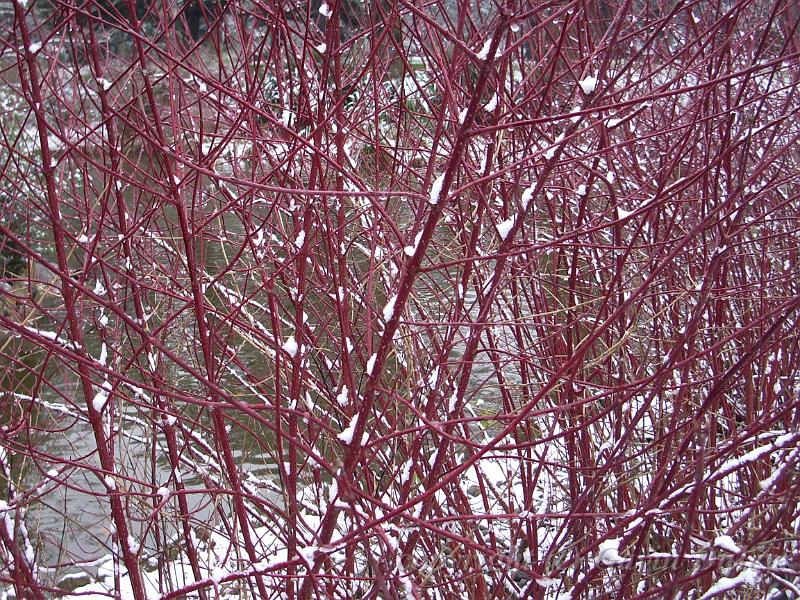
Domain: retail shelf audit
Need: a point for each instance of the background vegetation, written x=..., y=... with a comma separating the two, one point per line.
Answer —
x=399, y=299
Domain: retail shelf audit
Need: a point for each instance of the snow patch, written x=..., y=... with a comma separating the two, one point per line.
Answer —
x=388, y=310
x=527, y=196
x=101, y=397
x=483, y=54
x=308, y=554
x=504, y=228
x=726, y=584
x=436, y=189
x=346, y=436
x=405, y=473
x=624, y=214
x=411, y=250
x=608, y=553
x=588, y=84
x=290, y=346
x=725, y=542
x=551, y=151
x=341, y=398
x=451, y=404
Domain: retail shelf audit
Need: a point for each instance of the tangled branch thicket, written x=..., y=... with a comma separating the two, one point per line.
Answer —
x=382, y=299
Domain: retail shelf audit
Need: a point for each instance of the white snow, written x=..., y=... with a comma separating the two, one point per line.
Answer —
x=110, y=483
x=405, y=473
x=301, y=238
x=588, y=84
x=8, y=516
x=99, y=288
x=388, y=310
x=152, y=360
x=346, y=436
x=321, y=48
x=504, y=228
x=581, y=191
x=342, y=397
x=34, y=47
x=101, y=397
x=214, y=567
x=30, y=555
x=290, y=346
x=608, y=553
x=462, y=115
x=217, y=574
x=308, y=554
x=492, y=104
x=325, y=10
x=527, y=196
x=624, y=214
x=484, y=52
x=411, y=250
x=451, y=404
x=371, y=363
x=436, y=189
x=726, y=584
x=725, y=542
x=551, y=151
x=333, y=491
x=732, y=464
